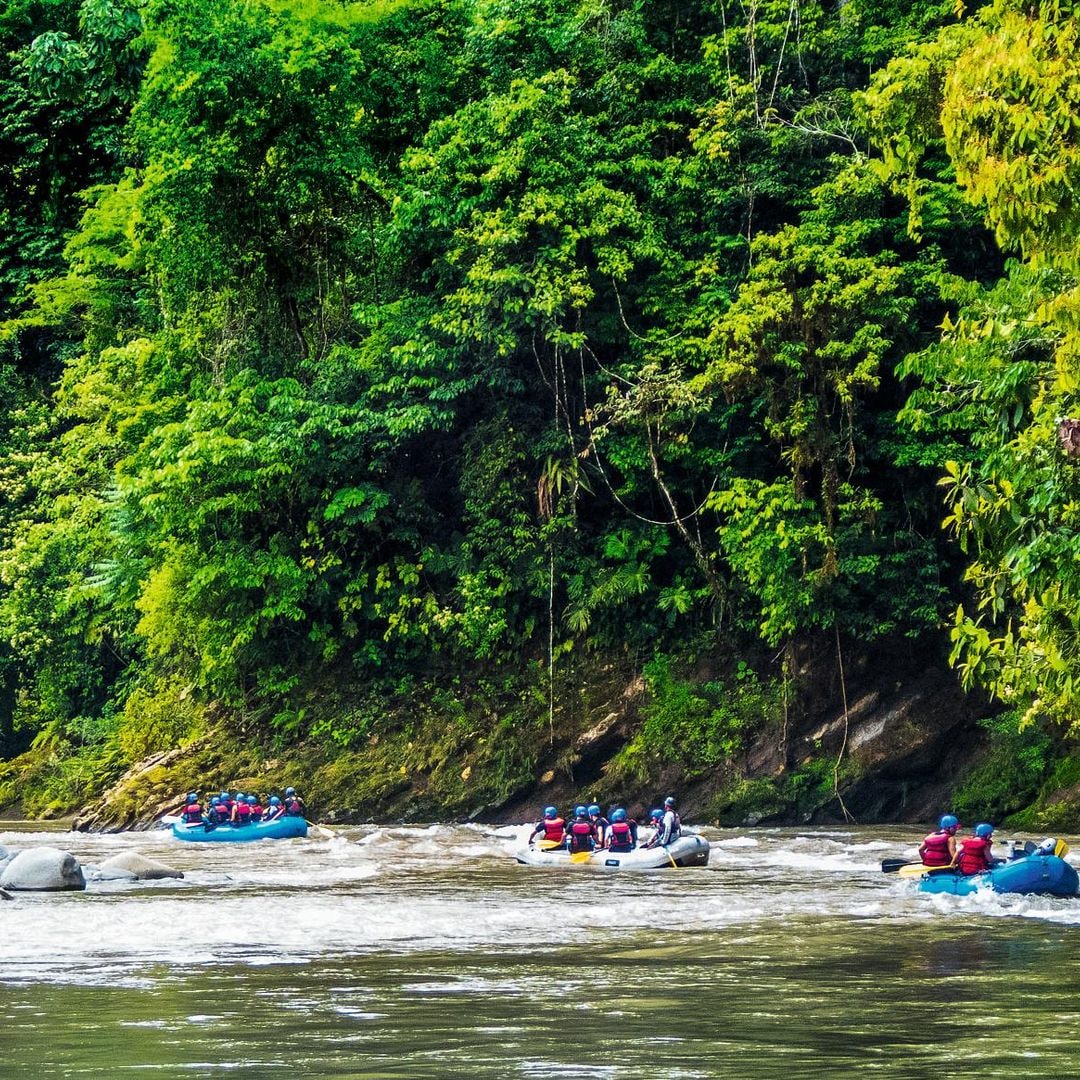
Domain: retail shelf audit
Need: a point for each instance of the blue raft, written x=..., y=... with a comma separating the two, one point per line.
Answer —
x=279, y=829
x=1039, y=875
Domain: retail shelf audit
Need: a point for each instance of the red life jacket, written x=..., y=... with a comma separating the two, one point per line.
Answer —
x=622, y=837
x=974, y=855
x=294, y=808
x=935, y=849
x=554, y=829
x=582, y=834
x=256, y=812
x=243, y=813
x=192, y=812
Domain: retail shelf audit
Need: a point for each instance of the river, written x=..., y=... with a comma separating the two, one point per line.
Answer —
x=428, y=952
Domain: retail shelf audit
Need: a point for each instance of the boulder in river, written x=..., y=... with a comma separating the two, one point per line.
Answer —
x=42, y=869
x=132, y=864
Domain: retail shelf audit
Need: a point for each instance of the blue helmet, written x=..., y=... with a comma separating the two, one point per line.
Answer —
x=669, y=802
x=580, y=811
x=290, y=791
x=274, y=800
x=215, y=801
x=948, y=821
x=984, y=830
x=594, y=809
x=252, y=800
x=551, y=811
x=618, y=815
x=654, y=814
x=192, y=796
x=239, y=796
x=225, y=795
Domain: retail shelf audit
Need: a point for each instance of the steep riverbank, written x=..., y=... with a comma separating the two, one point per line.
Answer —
x=738, y=747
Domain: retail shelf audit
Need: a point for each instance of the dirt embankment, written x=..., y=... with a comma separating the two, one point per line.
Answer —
x=879, y=736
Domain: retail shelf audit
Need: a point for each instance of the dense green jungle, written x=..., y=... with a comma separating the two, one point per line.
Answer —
x=453, y=406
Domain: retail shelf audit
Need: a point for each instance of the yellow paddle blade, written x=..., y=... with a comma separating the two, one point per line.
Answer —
x=549, y=845
x=580, y=856
x=917, y=870
x=1061, y=849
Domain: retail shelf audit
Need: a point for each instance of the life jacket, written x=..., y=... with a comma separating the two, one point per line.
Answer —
x=974, y=855
x=622, y=837
x=220, y=813
x=256, y=812
x=554, y=829
x=243, y=813
x=582, y=835
x=192, y=813
x=935, y=849
x=294, y=808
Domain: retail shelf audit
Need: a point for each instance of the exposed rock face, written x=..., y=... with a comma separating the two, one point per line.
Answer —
x=143, y=794
x=139, y=867
x=43, y=869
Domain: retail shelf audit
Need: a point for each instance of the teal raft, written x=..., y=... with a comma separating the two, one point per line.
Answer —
x=1037, y=875
x=279, y=829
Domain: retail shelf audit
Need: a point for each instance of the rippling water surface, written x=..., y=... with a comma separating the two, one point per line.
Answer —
x=428, y=952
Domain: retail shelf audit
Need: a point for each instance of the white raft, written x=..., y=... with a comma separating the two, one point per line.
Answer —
x=689, y=850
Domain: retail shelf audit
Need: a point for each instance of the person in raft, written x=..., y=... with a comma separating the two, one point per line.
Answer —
x=218, y=813
x=274, y=810
x=582, y=832
x=256, y=809
x=939, y=848
x=192, y=812
x=552, y=826
x=669, y=826
x=622, y=833
x=294, y=805
x=600, y=824
x=975, y=851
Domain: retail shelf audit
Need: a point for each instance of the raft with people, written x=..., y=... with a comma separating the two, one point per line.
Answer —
x=592, y=840
x=688, y=850
x=240, y=818
x=1043, y=872
x=962, y=866
x=281, y=828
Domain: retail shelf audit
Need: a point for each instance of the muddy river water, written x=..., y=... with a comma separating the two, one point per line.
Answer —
x=429, y=952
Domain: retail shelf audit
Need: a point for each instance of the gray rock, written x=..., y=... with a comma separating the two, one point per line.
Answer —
x=43, y=869
x=139, y=866
x=98, y=873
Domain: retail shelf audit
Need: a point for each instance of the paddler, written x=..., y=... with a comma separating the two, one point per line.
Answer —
x=192, y=812
x=939, y=848
x=975, y=851
x=551, y=825
x=622, y=834
x=582, y=832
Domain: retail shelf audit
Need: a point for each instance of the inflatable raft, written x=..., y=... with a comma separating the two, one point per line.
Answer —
x=1040, y=875
x=688, y=850
x=278, y=829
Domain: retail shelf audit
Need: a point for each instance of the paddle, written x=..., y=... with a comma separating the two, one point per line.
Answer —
x=580, y=856
x=549, y=845
x=322, y=829
x=890, y=866
x=918, y=870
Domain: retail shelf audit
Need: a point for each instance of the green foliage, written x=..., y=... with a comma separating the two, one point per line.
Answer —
x=996, y=92
x=411, y=336
x=1010, y=776
x=698, y=726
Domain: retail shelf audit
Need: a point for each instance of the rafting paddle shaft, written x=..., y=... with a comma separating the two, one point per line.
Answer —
x=890, y=866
